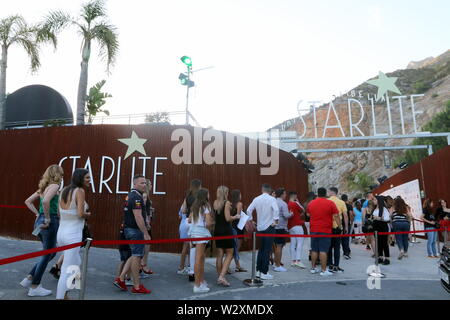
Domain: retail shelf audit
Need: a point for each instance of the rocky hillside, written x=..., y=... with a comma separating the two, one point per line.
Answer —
x=430, y=77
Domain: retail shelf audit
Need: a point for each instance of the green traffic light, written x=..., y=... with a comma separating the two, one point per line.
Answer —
x=187, y=61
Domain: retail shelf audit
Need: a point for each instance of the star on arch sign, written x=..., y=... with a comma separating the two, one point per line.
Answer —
x=384, y=84
x=134, y=144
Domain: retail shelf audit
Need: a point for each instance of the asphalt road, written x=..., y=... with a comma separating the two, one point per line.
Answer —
x=413, y=278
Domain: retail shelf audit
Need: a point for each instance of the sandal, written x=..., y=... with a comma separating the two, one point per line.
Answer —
x=55, y=271
x=240, y=269
x=148, y=271
x=229, y=271
x=223, y=282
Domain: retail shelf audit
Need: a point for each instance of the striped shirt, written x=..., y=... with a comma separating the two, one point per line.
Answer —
x=397, y=217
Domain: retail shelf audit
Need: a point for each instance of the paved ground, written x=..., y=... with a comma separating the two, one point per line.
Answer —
x=413, y=278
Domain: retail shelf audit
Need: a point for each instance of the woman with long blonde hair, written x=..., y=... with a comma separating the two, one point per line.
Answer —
x=223, y=219
x=46, y=226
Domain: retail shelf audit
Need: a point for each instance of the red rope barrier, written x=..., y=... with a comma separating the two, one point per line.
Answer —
x=12, y=207
x=39, y=253
x=312, y=236
x=119, y=242
x=408, y=232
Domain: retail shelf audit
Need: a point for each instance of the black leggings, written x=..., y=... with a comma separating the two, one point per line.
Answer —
x=382, y=244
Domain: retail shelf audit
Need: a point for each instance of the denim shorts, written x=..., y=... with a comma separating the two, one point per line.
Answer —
x=280, y=241
x=137, y=250
x=320, y=244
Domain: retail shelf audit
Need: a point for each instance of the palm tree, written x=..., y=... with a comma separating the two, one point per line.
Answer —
x=92, y=26
x=14, y=30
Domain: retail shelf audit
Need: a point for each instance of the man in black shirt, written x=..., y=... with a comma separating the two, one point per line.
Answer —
x=135, y=229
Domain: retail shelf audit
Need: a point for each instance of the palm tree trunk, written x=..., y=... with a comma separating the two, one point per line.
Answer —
x=82, y=85
x=3, y=63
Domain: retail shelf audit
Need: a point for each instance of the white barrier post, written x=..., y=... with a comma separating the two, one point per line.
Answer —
x=253, y=282
x=84, y=268
x=414, y=234
x=438, y=245
x=445, y=236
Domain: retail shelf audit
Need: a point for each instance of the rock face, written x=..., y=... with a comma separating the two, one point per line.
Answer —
x=333, y=169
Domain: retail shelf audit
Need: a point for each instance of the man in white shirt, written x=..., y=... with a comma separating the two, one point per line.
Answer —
x=267, y=213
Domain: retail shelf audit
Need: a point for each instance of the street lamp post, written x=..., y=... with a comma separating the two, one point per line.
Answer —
x=187, y=82
x=187, y=96
x=185, y=79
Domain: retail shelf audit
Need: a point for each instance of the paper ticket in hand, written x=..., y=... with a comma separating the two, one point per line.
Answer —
x=243, y=220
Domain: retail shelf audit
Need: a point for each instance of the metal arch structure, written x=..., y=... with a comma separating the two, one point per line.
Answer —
x=360, y=138
x=383, y=137
x=429, y=147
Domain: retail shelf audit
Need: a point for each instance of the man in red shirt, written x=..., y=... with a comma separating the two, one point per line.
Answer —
x=322, y=212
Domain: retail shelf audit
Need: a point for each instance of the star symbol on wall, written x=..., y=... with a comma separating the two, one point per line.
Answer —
x=134, y=144
x=384, y=84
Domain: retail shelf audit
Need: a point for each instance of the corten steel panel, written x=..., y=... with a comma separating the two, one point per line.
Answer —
x=433, y=173
x=25, y=154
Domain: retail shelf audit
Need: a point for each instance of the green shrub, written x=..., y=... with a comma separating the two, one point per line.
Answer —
x=421, y=87
x=439, y=123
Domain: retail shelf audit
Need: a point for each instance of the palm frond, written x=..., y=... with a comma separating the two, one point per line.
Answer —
x=93, y=10
x=32, y=50
x=53, y=23
x=10, y=26
x=107, y=37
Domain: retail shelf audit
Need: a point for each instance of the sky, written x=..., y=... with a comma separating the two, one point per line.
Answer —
x=266, y=54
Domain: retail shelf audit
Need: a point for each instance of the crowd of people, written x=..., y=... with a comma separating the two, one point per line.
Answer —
x=61, y=219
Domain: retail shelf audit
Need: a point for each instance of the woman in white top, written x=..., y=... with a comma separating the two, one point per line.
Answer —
x=381, y=219
x=73, y=210
x=201, y=223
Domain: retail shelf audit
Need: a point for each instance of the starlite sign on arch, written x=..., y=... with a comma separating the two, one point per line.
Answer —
x=385, y=85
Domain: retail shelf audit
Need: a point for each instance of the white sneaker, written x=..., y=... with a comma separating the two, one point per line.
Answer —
x=315, y=270
x=129, y=283
x=204, y=284
x=26, y=283
x=300, y=265
x=266, y=276
x=279, y=269
x=326, y=273
x=201, y=289
x=185, y=271
x=39, y=292
x=258, y=274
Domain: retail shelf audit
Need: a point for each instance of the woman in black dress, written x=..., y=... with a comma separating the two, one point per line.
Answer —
x=223, y=219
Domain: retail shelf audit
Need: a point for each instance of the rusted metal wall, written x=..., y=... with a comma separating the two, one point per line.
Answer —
x=433, y=173
x=25, y=154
